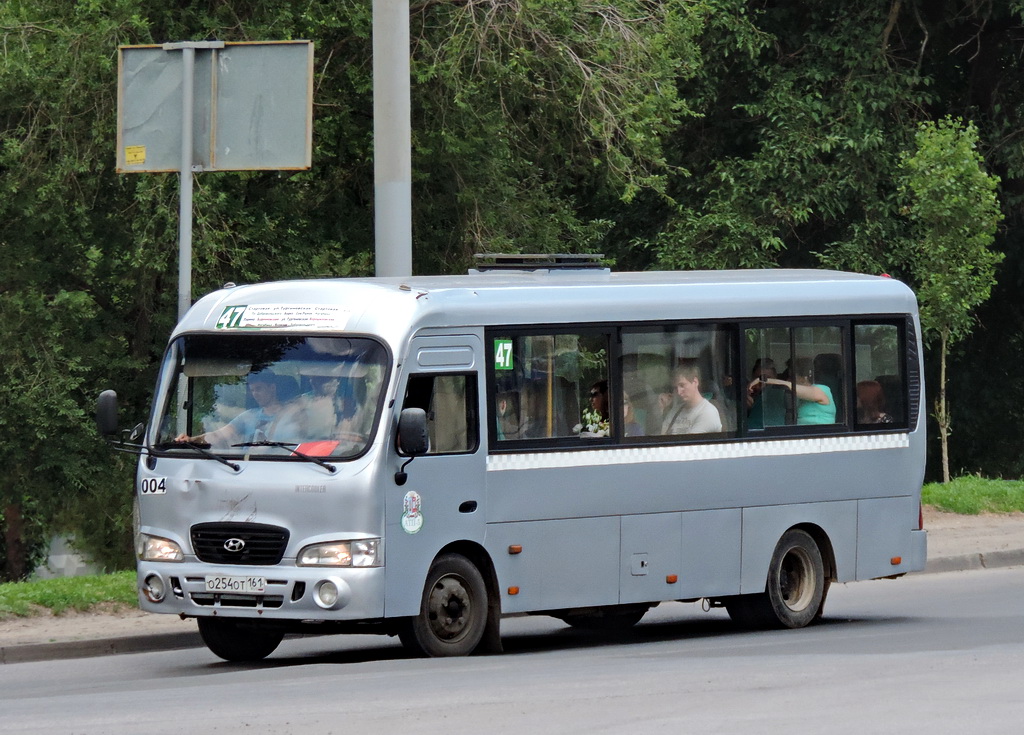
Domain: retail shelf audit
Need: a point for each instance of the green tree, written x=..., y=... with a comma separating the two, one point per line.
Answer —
x=952, y=205
x=48, y=459
x=537, y=121
x=61, y=290
x=794, y=159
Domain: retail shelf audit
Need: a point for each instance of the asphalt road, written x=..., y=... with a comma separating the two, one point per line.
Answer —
x=938, y=653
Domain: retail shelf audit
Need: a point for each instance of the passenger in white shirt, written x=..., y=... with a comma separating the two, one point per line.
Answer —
x=695, y=414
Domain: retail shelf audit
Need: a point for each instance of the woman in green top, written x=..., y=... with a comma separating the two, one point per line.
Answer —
x=815, y=403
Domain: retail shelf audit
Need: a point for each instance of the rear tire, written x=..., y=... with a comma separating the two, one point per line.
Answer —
x=453, y=610
x=239, y=640
x=795, y=590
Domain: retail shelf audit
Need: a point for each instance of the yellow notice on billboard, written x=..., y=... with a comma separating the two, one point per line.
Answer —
x=134, y=155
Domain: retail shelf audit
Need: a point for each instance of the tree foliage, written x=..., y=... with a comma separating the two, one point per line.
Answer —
x=954, y=212
x=508, y=97
x=526, y=109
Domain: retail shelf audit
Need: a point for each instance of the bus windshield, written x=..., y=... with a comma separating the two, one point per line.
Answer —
x=266, y=396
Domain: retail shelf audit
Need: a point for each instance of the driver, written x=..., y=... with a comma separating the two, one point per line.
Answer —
x=268, y=419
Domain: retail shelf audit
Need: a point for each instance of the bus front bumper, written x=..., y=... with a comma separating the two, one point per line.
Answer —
x=279, y=592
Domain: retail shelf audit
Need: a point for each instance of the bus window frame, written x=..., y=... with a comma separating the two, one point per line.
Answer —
x=788, y=431
x=472, y=397
x=846, y=323
x=495, y=445
x=728, y=326
x=910, y=372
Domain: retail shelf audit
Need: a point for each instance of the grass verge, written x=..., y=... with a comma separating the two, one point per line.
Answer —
x=971, y=495
x=69, y=593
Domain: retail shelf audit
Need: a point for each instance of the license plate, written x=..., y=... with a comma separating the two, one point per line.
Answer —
x=238, y=585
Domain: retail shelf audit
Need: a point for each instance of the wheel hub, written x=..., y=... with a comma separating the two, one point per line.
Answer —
x=795, y=577
x=449, y=606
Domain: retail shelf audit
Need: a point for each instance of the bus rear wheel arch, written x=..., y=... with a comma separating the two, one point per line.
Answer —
x=795, y=589
x=453, y=612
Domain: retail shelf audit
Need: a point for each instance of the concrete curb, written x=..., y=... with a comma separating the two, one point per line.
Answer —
x=59, y=650
x=979, y=560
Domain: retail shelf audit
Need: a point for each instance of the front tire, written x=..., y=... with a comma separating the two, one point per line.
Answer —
x=453, y=610
x=795, y=590
x=239, y=640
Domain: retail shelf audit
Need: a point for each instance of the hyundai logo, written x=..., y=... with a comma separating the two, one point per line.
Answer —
x=234, y=545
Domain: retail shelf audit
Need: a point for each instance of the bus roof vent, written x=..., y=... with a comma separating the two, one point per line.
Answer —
x=537, y=261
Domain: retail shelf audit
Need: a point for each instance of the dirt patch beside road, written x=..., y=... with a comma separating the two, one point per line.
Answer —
x=956, y=535
x=98, y=623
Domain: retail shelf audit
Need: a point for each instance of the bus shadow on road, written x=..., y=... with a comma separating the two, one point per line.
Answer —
x=543, y=635
x=700, y=631
x=571, y=638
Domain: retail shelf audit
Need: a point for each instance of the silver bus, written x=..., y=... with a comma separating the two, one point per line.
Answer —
x=422, y=456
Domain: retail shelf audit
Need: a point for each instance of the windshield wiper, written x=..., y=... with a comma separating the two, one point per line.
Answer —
x=290, y=447
x=201, y=448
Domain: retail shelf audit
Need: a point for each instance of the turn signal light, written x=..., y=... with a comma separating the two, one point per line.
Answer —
x=896, y=560
x=513, y=590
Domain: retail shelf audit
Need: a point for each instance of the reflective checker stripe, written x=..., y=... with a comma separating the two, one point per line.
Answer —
x=696, y=452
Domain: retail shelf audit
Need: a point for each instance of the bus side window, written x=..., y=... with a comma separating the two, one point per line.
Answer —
x=796, y=376
x=679, y=380
x=450, y=403
x=551, y=386
x=881, y=384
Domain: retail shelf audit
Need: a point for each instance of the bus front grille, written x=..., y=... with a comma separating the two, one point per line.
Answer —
x=239, y=543
x=214, y=599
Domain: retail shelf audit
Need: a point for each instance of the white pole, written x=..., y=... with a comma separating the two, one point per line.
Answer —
x=186, y=167
x=188, y=65
x=392, y=139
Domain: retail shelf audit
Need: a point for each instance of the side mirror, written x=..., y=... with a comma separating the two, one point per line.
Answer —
x=106, y=413
x=413, y=440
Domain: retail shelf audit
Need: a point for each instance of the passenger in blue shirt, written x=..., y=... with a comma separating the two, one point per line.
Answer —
x=815, y=404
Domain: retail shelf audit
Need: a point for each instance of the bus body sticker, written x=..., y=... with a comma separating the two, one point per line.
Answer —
x=283, y=316
x=412, y=517
x=503, y=354
x=154, y=486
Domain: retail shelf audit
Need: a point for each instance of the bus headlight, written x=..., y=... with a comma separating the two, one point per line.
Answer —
x=154, y=548
x=361, y=553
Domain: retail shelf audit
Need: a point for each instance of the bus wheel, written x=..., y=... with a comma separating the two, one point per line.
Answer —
x=235, y=640
x=453, y=610
x=794, y=595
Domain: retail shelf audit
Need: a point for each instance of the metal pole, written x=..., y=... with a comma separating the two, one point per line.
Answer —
x=186, y=167
x=188, y=58
x=392, y=139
